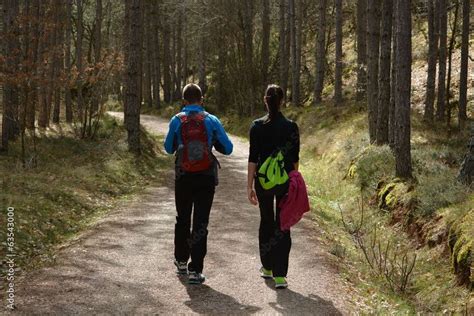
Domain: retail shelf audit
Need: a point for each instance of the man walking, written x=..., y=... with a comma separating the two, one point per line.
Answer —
x=192, y=134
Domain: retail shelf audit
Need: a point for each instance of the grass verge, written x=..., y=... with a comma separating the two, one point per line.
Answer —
x=75, y=182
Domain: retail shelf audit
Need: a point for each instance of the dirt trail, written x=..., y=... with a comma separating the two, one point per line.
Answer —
x=123, y=264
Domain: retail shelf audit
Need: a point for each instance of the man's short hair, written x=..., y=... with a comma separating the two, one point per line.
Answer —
x=192, y=93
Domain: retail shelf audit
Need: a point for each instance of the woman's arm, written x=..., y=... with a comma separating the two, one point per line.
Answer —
x=252, y=195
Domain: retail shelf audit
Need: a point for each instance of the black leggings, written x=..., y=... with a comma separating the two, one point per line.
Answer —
x=192, y=193
x=274, y=243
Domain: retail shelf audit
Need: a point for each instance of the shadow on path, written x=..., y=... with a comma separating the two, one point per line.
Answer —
x=203, y=299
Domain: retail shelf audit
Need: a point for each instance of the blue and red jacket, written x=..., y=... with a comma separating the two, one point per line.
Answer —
x=216, y=135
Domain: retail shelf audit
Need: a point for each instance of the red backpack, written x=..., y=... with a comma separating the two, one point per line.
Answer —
x=195, y=155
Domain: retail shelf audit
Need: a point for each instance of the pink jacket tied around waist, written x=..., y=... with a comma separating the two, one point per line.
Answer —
x=295, y=203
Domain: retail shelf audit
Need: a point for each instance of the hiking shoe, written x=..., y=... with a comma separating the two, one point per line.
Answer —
x=196, y=278
x=182, y=267
x=266, y=274
x=280, y=283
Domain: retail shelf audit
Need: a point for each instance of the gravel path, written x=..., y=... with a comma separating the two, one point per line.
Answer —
x=123, y=264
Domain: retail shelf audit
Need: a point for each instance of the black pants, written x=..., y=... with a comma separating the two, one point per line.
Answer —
x=274, y=244
x=192, y=191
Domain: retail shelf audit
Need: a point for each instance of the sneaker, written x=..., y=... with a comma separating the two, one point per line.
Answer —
x=266, y=274
x=196, y=278
x=182, y=267
x=280, y=282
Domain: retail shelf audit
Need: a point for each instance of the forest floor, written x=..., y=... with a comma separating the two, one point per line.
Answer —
x=124, y=263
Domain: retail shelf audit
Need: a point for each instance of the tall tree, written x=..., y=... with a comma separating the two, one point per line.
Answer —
x=320, y=52
x=462, y=116
x=433, y=40
x=155, y=16
x=373, y=52
x=452, y=42
x=79, y=35
x=10, y=89
x=339, y=62
x=265, y=62
x=134, y=73
x=384, y=73
x=67, y=60
x=361, y=48
x=402, y=105
x=295, y=35
x=282, y=48
x=393, y=81
x=97, y=93
x=167, y=92
x=443, y=39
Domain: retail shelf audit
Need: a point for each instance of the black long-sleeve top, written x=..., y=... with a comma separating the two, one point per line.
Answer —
x=268, y=136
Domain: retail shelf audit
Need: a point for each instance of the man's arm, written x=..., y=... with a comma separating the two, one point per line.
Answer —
x=170, y=140
x=222, y=141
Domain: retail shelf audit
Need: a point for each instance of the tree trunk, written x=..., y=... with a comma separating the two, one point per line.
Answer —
x=179, y=56
x=361, y=49
x=443, y=39
x=393, y=80
x=59, y=65
x=373, y=53
x=67, y=61
x=462, y=116
x=466, y=173
x=10, y=89
x=148, y=56
x=452, y=42
x=283, y=40
x=97, y=57
x=80, y=98
x=320, y=53
x=339, y=61
x=156, y=55
x=402, y=104
x=295, y=50
x=433, y=40
x=265, y=42
x=166, y=63
x=134, y=73
x=384, y=73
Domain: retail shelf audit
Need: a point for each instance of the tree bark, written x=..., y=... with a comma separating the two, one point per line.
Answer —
x=265, y=41
x=97, y=57
x=361, y=49
x=393, y=80
x=166, y=62
x=10, y=89
x=79, y=83
x=156, y=55
x=339, y=61
x=452, y=42
x=67, y=61
x=443, y=39
x=466, y=173
x=462, y=116
x=384, y=73
x=134, y=73
x=283, y=40
x=402, y=105
x=320, y=53
x=373, y=53
x=148, y=56
x=433, y=40
x=295, y=36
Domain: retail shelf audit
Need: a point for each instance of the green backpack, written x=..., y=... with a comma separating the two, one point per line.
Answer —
x=272, y=174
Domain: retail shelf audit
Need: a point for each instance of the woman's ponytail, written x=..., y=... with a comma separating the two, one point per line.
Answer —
x=273, y=97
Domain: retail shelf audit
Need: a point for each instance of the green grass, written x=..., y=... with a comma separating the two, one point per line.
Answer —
x=75, y=181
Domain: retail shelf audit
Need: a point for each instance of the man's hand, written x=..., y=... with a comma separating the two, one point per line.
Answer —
x=252, y=195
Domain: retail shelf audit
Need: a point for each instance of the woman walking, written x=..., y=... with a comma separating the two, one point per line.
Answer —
x=272, y=137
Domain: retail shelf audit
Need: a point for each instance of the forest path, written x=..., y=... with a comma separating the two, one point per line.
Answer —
x=124, y=263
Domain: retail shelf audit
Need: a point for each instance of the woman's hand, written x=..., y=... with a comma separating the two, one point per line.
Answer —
x=252, y=195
